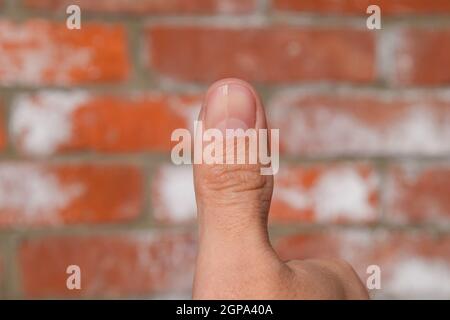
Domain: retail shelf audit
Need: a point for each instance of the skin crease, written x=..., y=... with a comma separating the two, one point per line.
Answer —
x=235, y=258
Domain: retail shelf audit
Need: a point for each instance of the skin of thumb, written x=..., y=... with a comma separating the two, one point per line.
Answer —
x=232, y=196
x=233, y=202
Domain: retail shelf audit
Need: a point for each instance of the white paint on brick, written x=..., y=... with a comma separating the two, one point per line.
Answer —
x=354, y=245
x=27, y=56
x=295, y=197
x=418, y=278
x=326, y=131
x=42, y=122
x=338, y=193
x=34, y=193
x=179, y=257
x=343, y=193
x=402, y=47
x=388, y=39
x=420, y=130
x=397, y=193
x=176, y=191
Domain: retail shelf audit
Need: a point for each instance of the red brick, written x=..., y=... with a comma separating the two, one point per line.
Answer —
x=148, y=6
x=39, y=52
x=309, y=194
x=359, y=7
x=63, y=194
x=353, y=123
x=111, y=266
x=3, y=134
x=279, y=54
x=418, y=194
x=412, y=265
x=421, y=57
x=143, y=122
x=325, y=193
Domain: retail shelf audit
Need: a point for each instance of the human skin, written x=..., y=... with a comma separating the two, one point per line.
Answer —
x=235, y=258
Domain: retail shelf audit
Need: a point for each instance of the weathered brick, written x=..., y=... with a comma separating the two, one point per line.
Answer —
x=413, y=266
x=3, y=134
x=49, y=122
x=353, y=123
x=421, y=57
x=142, y=7
x=336, y=124
x=309, y=194
x=325, y=193
x=418, y=194
x=60, y=194
x=359, y=7
x=39, y=52
x=279, y=54
x=126, y=265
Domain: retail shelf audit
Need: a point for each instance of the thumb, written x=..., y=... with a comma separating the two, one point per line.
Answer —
x=233, y=198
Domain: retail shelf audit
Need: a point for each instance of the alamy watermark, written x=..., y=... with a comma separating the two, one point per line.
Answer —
x=73, y=281
x=74, y=19
x=212, y=147
x=374, y=20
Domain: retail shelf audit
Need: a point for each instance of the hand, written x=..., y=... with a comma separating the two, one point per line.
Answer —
x=235, y=259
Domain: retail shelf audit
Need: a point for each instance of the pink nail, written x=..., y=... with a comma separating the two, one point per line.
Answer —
x=230, y=106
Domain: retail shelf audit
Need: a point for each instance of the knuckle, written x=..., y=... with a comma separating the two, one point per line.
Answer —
x=234, y=178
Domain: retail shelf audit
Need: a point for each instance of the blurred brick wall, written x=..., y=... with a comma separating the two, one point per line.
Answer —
x=86, y=117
